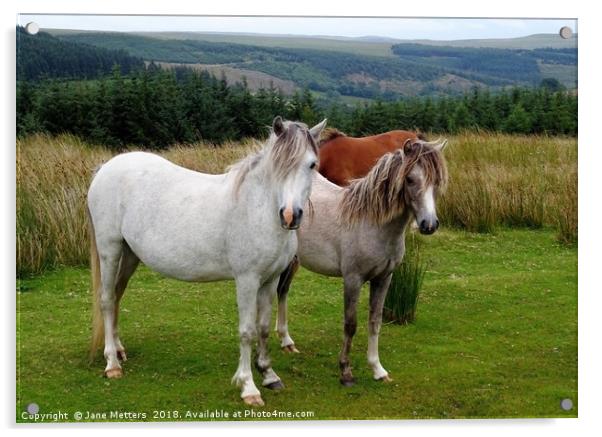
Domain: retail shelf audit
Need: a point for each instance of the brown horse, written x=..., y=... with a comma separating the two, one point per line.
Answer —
x=344, y=158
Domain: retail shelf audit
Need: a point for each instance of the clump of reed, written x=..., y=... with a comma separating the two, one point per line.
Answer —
x=402, y=298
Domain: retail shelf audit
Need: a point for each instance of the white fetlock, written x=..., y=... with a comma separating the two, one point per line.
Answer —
x=288, y=345
x=285, y=339
x=290, y=348
x=270, y=377
x=251, y=395
x=380, y=373
x=386, y=378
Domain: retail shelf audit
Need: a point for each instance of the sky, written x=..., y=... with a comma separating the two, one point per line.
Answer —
x=400, y=28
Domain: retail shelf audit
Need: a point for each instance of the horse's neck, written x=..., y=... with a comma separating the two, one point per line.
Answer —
x=397, y=226
x=256, y=195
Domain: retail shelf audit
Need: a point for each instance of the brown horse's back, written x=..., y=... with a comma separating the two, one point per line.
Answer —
x=344, y=158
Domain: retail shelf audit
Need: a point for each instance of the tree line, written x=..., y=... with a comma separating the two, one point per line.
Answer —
x=156, y=108
x=42, y=56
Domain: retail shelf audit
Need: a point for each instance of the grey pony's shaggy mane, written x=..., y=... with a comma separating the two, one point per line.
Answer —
x=380, y=195
x=283, y=152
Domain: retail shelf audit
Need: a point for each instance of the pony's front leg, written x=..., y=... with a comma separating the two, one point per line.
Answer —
x=378, y=292
x=246, y=297
x=351, y=294
x=286, y=342
x=265, y=298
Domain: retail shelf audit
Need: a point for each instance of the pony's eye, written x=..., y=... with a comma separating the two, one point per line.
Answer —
x=312, y=166
x=409, y=180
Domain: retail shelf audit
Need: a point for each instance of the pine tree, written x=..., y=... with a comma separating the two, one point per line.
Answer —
x=518, y=121
x=462, y=118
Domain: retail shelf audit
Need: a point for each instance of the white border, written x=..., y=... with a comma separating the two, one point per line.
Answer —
x=589, y=211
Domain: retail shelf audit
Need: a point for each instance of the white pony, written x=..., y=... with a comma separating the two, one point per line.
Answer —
x=199, y=227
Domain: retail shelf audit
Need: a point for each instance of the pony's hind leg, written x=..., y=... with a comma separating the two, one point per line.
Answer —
x=127, y=266
x=286, y=342
x=246, y=299
x=352, y=285
x=110, y=255
x=378, y=292
x=265, y=298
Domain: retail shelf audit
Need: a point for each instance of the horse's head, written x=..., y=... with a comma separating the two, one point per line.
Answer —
x=425, y=175
x=294, y=158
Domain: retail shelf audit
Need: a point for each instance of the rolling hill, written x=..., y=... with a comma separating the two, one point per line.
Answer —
x=368, y=45
x=366, y=67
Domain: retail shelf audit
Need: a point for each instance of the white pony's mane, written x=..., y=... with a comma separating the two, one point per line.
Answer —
x=284, y=153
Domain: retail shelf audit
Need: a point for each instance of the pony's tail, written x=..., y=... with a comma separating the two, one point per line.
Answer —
x=97, y=320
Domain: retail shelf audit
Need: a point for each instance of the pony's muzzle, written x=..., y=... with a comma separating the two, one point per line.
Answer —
x=428, y=227
x=290, y=218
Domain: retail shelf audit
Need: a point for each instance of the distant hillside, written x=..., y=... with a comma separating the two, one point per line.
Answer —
x=343, y=66
x=44, y=56
x=256, y=80
x=521, y=66
x=537, y=41
x=367, y=45
x=338, y=44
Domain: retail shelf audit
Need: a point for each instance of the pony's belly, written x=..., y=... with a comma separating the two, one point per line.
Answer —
x=186, y=263
x=319, y=264
x=203, y=273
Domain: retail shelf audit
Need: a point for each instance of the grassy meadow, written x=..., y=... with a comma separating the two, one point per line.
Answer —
x=495, y=332
x=495, y=336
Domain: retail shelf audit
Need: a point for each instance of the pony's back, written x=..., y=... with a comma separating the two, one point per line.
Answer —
x=344, y=158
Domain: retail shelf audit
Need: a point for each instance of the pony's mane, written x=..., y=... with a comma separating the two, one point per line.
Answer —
x=283, y=152
x=329, y=134
x=379, y=196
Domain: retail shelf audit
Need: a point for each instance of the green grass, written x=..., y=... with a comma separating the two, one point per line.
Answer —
x=495, y=336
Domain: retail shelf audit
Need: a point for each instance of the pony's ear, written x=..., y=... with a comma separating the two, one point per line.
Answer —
x=278, y=125
x=406, y=147
x=317, y=130
x=441, y=146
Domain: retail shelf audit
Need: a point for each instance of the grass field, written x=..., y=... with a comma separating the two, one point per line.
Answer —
x=496, y=329
x=496, y=336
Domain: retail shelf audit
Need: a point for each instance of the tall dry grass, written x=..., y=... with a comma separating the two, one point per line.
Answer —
x=502, y=180
x=53, y=175
x=495, y=180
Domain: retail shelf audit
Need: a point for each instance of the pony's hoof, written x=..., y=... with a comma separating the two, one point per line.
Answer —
x=114, y=373
x=253, y=401
x=122, y=356
x=348, y=381
x=386, y=378
x=276, y=385
x=290, y=349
